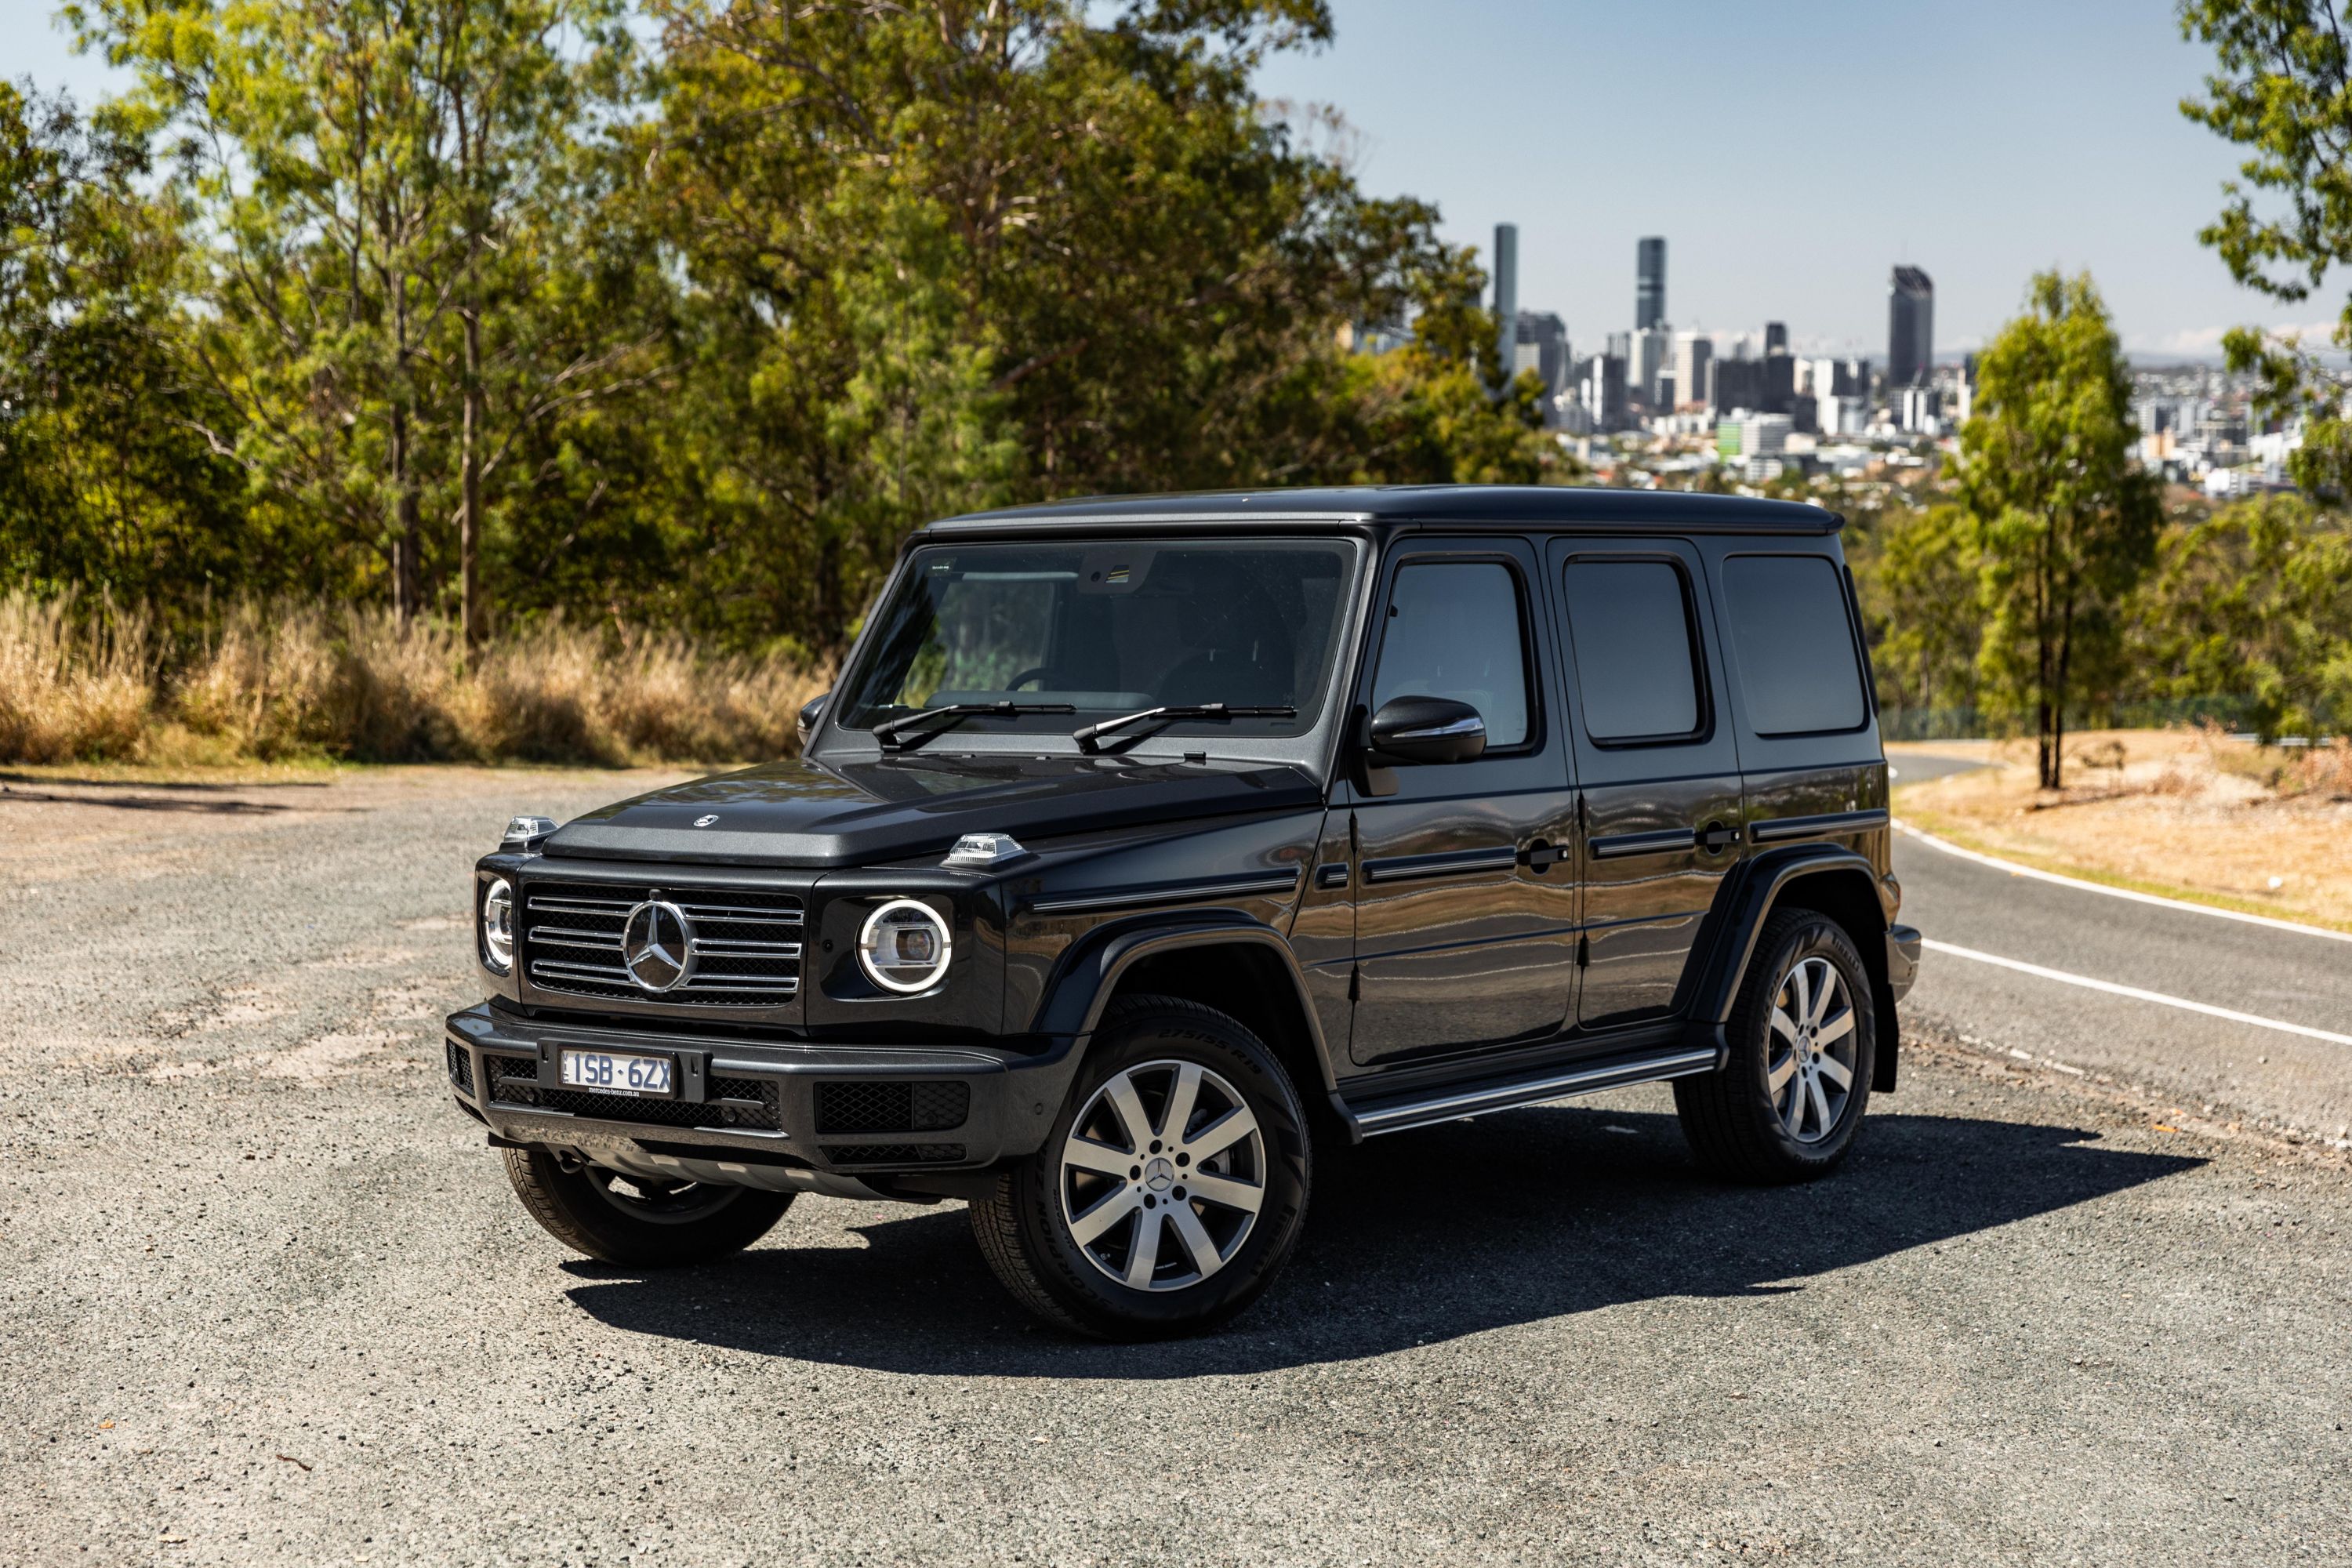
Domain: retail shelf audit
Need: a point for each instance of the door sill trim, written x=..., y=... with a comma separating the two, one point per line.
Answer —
x=1474, y=1098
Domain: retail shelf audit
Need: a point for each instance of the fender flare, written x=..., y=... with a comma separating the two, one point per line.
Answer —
x=1740, y=917
x=1085, y=982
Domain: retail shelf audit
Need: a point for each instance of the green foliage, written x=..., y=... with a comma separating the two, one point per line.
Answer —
x=109, y=480
x=471, y=301
x=1919, y=584
x=2255, y=600
x=2066, y=522
x=2282, y=89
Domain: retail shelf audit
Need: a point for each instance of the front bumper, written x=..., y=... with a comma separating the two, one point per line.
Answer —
x=846, y=1119
x=1902, y=959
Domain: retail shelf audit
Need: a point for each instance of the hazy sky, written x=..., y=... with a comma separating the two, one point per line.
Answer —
x=1790, y=153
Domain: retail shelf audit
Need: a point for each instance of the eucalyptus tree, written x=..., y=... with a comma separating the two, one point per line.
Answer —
x=2065, y=520
x=368, y=171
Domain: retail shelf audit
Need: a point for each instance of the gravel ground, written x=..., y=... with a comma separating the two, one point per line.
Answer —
x=265, y=1297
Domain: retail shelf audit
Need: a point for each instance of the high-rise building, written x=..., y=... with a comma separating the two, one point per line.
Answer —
x=1776, y=338
x=1649, y=283
x=1910, y=327
x=1542, y=347
x=1651, y=347
x=1604, y=392
x=1507, y=294
x=1693, y=350
x=1735, y=385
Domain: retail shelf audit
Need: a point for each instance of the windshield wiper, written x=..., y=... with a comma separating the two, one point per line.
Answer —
x=924, y=723
x=1089, y=738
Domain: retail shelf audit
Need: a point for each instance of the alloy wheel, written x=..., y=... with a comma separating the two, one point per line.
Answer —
x=1809, y=1069
x=1162, y=1176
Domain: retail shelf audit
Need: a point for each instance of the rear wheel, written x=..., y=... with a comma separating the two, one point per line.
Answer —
x=1172, y=1188
x=637, y=1221
x=1803, y=1041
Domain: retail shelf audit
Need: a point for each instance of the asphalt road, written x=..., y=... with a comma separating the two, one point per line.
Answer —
x=264, y=1298
x=2270, y=1076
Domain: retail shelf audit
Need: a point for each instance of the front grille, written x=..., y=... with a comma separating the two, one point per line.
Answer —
x=906, y=1107
x=461, y=1066
x=748, y=1103
x=507, y=1069
x=894, y=1154
x=745, y=951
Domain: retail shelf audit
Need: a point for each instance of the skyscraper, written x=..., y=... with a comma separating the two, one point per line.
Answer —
x=1693, y=350
x=1776, y=338
x=1649, y=283
x=1542, y=347
x=1910, y=327
x=1507, y=295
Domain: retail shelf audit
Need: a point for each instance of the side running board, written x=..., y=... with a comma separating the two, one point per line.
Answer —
x=1371, y=1117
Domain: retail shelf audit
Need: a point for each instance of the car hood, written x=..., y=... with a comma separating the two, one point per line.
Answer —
x=892, y=808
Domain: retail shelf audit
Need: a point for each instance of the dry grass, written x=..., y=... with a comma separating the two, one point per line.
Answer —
x=2190, y=812
x=291, y=683
x=71, y=686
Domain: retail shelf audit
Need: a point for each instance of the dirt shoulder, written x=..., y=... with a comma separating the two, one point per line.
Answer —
x=2189, y=815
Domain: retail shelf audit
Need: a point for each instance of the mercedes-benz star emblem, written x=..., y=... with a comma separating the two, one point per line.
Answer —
x=658, y=946
x=706, y=821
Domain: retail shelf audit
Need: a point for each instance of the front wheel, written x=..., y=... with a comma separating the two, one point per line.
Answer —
x=1172, y=1188
x=636, y=1221
x=1804, y=1040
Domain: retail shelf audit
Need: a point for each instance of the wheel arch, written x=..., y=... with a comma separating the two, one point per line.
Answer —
x=1235, y=965
x=1830, y=879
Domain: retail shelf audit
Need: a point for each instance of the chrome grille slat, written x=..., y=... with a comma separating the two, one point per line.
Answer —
x=746, y=947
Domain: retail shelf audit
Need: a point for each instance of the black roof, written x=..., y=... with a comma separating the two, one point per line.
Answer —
x=1518, y=506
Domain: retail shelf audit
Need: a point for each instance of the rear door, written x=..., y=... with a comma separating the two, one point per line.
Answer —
x=1655, y=754
x=1466, y=899
x=1808, y=732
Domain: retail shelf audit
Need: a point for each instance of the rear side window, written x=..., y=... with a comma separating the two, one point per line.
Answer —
x=1794, y=645
x=1454, y=630
x=1636, y=659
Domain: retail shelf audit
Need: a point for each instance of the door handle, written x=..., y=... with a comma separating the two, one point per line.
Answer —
x=1716, y=838
x=1540, y=856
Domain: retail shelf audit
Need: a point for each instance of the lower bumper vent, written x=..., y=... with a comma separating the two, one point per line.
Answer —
x=894, y=1154
x=908, y=1107
x=461, y=1066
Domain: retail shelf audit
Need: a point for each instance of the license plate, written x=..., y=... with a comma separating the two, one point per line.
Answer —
x=609, y=1073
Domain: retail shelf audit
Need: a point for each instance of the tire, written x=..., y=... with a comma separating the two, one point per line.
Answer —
x=1065, y=1227
x=591, y=1210
x=1738, y=1123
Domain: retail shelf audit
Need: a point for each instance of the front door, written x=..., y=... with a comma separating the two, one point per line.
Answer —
x=1465, y=912
x=1656, y=753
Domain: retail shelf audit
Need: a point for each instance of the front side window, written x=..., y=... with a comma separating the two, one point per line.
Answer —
x=1108, y=629
x=1636, y=658
x=1794, y=644
x=1456, y=630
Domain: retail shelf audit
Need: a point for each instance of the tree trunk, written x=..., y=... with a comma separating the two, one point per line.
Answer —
x=407, y=536
x=2065, y=659
x=2044, y=721
x=475, y=612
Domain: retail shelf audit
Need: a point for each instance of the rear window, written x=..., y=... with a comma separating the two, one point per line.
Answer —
x=1793, y=644
x=1635, y=666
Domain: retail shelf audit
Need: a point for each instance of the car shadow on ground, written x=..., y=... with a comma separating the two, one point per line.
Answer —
x=1413, y=1239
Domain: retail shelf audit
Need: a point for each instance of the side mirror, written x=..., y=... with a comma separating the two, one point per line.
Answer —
x=810, y=711
x=1427, y=730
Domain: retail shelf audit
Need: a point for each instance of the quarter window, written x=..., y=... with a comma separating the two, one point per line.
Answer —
x=1636, y=665
x=1794, y=645
x=1455, y=629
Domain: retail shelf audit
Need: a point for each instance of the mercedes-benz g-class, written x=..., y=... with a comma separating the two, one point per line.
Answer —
x=1148, y=845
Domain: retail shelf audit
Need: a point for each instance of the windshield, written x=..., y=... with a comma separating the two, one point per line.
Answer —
x=1107, y=629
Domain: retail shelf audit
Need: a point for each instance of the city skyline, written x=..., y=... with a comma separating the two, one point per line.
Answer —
x=2021, y=138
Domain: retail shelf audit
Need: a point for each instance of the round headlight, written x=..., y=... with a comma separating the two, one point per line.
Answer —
x=904, y=946
x=497, y=925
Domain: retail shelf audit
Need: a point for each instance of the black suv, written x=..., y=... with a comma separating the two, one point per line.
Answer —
x=1148, y=844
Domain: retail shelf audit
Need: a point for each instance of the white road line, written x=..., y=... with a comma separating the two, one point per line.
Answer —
x=2135, y=993
x=2014, y=870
